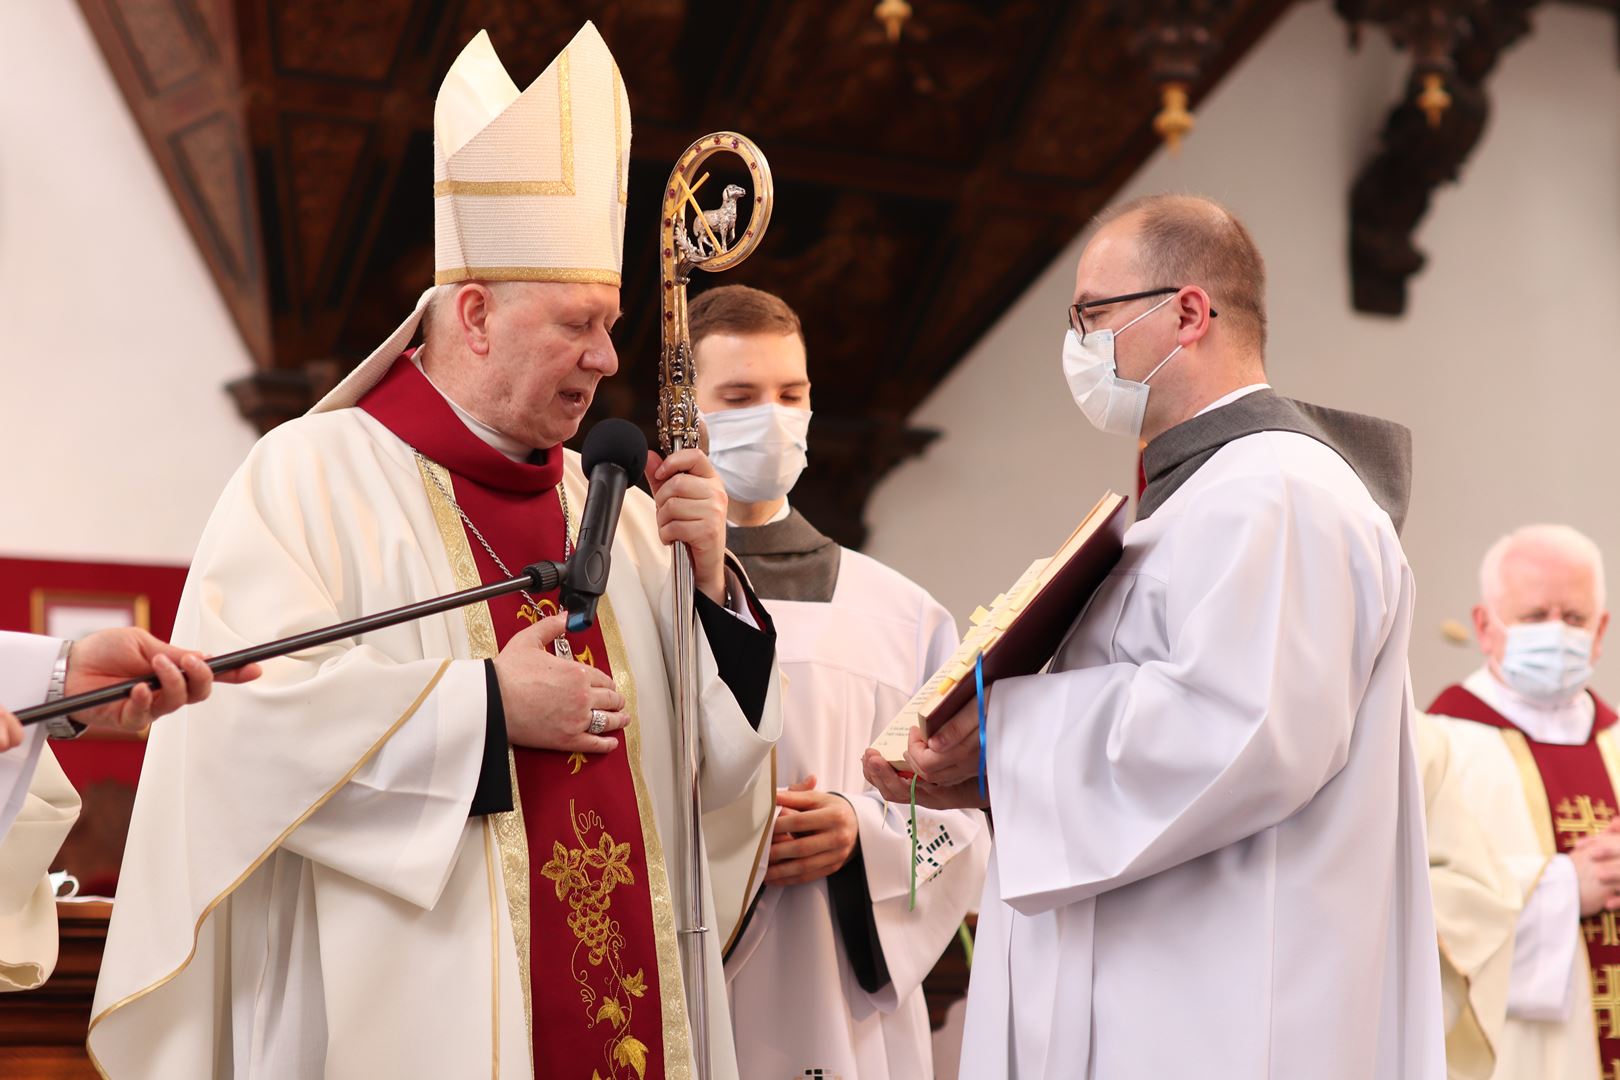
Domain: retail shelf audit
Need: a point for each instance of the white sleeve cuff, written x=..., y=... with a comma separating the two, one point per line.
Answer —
x=738, y=597
x=1541, y=986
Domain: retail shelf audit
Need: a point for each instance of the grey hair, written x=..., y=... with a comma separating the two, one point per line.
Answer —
x=1563, y=539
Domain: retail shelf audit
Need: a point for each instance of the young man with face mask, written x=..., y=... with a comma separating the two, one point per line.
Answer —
x=1209, y=847
x=1537, y=751
x=826, y=978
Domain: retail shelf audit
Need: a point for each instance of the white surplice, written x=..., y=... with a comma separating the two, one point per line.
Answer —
x=303, y=893
x=1549, y=1031
x=38, y=807
x=850, y=665
x=26, y=661
x=1209, y=822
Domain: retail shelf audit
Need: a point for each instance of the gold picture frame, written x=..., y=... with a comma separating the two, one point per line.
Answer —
x=72, y=613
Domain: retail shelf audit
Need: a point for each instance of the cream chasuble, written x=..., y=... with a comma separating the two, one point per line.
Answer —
x=303, y=893
x=28, y=934
x=38, y=807
x=1476, y=905
x=1209, y=854
x=851, y=662
x=1555, y=1003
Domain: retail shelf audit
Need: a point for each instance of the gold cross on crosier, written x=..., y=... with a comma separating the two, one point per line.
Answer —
x=1580, y=817
x=1606, y=1000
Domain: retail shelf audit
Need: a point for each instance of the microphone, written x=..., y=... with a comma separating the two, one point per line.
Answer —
x=615, y=450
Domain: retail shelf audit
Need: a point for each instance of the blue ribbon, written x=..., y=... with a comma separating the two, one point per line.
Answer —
x=978, y=679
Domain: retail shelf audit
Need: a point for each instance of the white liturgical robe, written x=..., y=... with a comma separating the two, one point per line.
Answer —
x=851, y=664
x=38, y=807
x=303, y=893
x=26, y=661
x=1209, y=851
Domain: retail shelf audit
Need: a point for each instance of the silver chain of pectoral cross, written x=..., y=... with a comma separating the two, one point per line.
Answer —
x=560, y=644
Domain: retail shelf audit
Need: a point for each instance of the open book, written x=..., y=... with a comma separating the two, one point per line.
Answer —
x=1021, y=629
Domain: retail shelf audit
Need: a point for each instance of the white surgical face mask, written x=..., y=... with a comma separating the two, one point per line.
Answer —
x=759, y=451
x=1548, y=663
x=1112, y=404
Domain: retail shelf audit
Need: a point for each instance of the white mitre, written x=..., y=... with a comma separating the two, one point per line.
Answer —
x=528, y=186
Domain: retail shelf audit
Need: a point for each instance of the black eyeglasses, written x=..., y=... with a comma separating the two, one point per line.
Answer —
x=1077, y=312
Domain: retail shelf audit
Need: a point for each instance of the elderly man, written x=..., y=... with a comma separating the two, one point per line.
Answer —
x=1209, y=822
x=35, y=796
x=440, y=850
x=826, y=979
x=1534, y=748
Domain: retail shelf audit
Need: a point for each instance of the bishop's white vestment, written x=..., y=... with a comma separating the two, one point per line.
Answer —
x=305, y=893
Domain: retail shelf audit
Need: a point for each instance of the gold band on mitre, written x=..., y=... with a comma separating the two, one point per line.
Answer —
x=530, y=186
x=527, y=186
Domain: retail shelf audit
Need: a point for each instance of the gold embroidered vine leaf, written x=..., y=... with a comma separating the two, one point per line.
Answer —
x=631, y=1051
x=635, y=985
x=577, y=760
x=614, y=860
x=612, y=1012
x=563, y=869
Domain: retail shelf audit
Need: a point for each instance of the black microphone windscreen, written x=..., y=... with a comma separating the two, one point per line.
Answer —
x=617, y=442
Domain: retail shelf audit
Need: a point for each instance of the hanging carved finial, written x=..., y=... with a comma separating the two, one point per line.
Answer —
x=1433, y=99
x=893, y=15
x=1174, y=121
x=1173, y=38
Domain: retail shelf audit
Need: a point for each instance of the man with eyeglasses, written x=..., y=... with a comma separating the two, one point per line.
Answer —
x=1209, y=854
x=1538, y=762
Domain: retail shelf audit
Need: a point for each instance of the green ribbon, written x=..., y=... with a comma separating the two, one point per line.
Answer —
x=913, y=904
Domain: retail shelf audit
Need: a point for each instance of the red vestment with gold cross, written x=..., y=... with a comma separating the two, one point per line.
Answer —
x=1581, y=799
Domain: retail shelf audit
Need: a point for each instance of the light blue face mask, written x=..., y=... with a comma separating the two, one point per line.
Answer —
x=1548, y=663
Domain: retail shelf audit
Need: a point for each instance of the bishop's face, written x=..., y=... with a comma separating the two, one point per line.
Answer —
x=549, y=345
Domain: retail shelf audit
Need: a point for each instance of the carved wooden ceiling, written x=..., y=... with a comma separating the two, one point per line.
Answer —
x=921, y=186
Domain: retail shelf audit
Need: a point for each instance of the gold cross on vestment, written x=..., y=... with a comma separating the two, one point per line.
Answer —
x=1606, y=925
x=1612, y=1070
x=1580, y=817
x=1606, y=1000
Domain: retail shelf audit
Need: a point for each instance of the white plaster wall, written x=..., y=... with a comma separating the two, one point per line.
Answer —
x=1506, y=366
x=115, y=433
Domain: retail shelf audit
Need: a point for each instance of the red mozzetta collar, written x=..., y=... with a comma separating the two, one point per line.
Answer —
x=408, y=405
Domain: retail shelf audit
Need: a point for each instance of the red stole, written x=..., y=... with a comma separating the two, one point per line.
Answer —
x=1580, y=797
x=594, y=957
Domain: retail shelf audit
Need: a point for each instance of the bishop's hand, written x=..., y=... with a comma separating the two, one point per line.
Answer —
x=691, y=501
x=551, y=702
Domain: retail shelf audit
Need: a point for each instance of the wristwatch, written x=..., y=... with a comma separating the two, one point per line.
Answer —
x=61, y=727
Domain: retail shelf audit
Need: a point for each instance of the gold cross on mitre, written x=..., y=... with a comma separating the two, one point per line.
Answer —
x=1580, y=817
